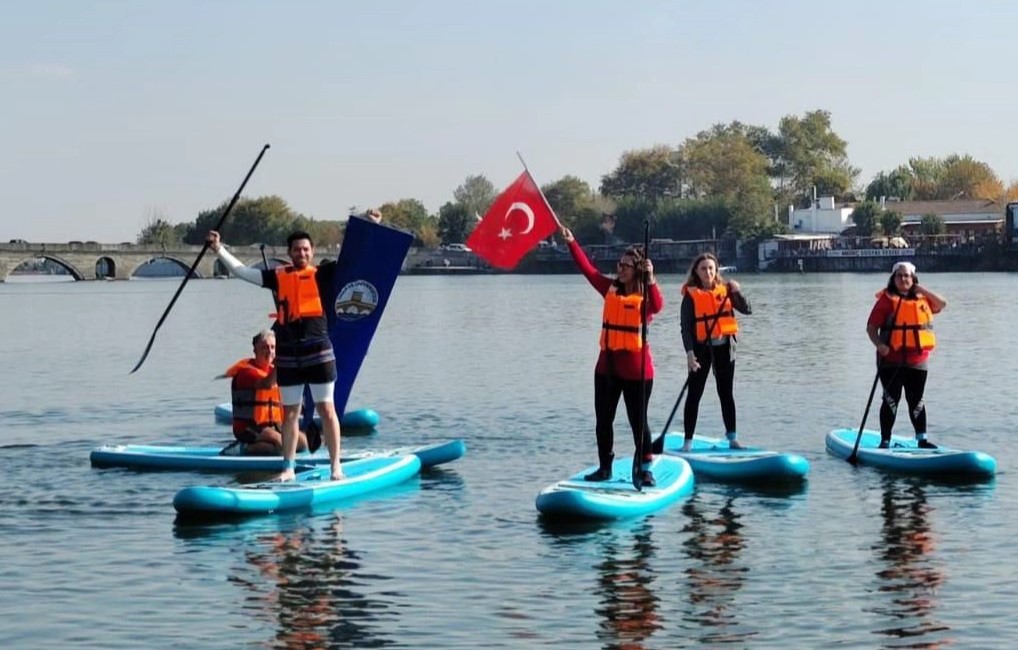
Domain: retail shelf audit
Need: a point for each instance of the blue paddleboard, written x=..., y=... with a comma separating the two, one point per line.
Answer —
x=310, y=489
x=356, y=420
x=616, y=498
x=209, y=458
x=905, y=457
x=711, y=458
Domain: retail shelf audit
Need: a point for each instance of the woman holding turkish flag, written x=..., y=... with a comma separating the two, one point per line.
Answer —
x=623, y=352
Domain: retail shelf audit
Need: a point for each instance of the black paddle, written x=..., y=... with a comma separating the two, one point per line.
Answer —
x=658, y=446
x=637, y=474
x=201, y=254
x=873, y=389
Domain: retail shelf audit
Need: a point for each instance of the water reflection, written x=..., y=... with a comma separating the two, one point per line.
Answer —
x=306, y=579
x=715, y=542
x=627, y=609
x=910, y=575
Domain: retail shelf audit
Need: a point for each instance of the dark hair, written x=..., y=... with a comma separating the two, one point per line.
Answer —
x=300, y=234
x=693, y=280
x=638, y=255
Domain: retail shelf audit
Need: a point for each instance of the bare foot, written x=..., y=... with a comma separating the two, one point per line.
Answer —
x=687, y=446
x=735, y=444
x=337, y=474
x=286, y=475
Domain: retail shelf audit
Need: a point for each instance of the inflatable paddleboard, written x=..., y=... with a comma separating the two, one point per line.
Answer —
x=310, y=489
x=210, y=458
x=358, y=419
x=616, y=498
x=712, y=458
x=905, y=457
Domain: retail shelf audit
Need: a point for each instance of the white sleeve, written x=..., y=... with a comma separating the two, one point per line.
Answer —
x=254, y=276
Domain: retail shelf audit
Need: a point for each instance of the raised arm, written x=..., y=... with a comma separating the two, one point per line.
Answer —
x=600, y=282
x=246, y=273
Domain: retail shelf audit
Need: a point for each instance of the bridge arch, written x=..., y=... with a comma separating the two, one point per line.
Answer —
x=105, y=268
x=169, y=258
x=64, y=264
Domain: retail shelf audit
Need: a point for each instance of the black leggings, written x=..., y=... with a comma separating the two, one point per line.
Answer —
x=607, y=390
x=893, y=379
x=720, y=356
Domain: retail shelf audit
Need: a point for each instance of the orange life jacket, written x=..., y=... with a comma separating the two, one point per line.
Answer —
x=706, y=311
x=252, y=406
x=620, y=321
x=297, y=294
x=912, y=328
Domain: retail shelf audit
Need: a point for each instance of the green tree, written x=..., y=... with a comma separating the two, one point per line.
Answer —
x=267, y=219
x=476, y=194
x=408, y=214
x=962, y=176
x=890, y=222
x=567, y=196
x=324, y=233
x=158, y=232
x=865, y=216
x=809, y=153
x=723, y=163
x=692, y=218
x=897, y=183
x=926, y=174
x=455, y=223
x=648, y=173
x=429, y=234
x=932, y=224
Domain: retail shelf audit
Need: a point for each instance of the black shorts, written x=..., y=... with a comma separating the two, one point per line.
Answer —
x=308, y=362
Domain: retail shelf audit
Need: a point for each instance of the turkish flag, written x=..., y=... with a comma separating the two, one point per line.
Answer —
x=514, y=224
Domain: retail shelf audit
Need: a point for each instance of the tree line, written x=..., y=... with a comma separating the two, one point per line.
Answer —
x=731, y=180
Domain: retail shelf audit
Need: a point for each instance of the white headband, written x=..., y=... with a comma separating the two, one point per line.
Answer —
x=908, y=266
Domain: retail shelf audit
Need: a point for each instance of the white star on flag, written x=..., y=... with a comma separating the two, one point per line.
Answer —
x=505, y=233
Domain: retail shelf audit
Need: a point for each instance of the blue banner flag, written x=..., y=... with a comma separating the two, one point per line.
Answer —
x=366, y=270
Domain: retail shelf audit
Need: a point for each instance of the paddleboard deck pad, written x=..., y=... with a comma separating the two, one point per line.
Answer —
x=616, y=498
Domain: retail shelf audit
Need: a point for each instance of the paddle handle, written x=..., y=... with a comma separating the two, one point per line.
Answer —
x=198, y=259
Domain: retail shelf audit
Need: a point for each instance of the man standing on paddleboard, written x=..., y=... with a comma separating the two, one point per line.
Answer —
x=304, y=354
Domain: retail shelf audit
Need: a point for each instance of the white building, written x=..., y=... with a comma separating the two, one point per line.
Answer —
x=824, y=216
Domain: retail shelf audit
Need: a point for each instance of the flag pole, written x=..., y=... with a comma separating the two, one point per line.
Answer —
x=539, y=191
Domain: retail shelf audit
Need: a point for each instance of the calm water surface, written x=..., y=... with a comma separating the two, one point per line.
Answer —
x=459, y=557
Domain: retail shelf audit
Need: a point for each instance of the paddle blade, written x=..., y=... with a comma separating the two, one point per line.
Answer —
x=637, y=473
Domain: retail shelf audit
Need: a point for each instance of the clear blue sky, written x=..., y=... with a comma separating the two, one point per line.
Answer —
x=114, y=112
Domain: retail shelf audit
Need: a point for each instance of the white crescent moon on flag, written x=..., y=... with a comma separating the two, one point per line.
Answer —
x=525, y=209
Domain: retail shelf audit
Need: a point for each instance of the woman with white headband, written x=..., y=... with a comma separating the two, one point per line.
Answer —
x=900, y=326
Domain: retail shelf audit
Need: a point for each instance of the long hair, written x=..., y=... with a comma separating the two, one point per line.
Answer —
x=693, y=280
x=892, y=288
x=638, y=255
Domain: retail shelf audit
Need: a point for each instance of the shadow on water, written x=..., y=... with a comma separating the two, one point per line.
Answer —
x=910, y=574
x=716, y=573
x=299, y=576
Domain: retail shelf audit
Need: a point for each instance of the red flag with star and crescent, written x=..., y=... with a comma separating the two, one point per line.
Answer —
x=514, y=224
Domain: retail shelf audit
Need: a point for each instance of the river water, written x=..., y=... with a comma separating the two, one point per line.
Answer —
x=459, y=558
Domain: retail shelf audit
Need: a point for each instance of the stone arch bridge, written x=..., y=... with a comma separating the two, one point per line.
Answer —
x=94, y=261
